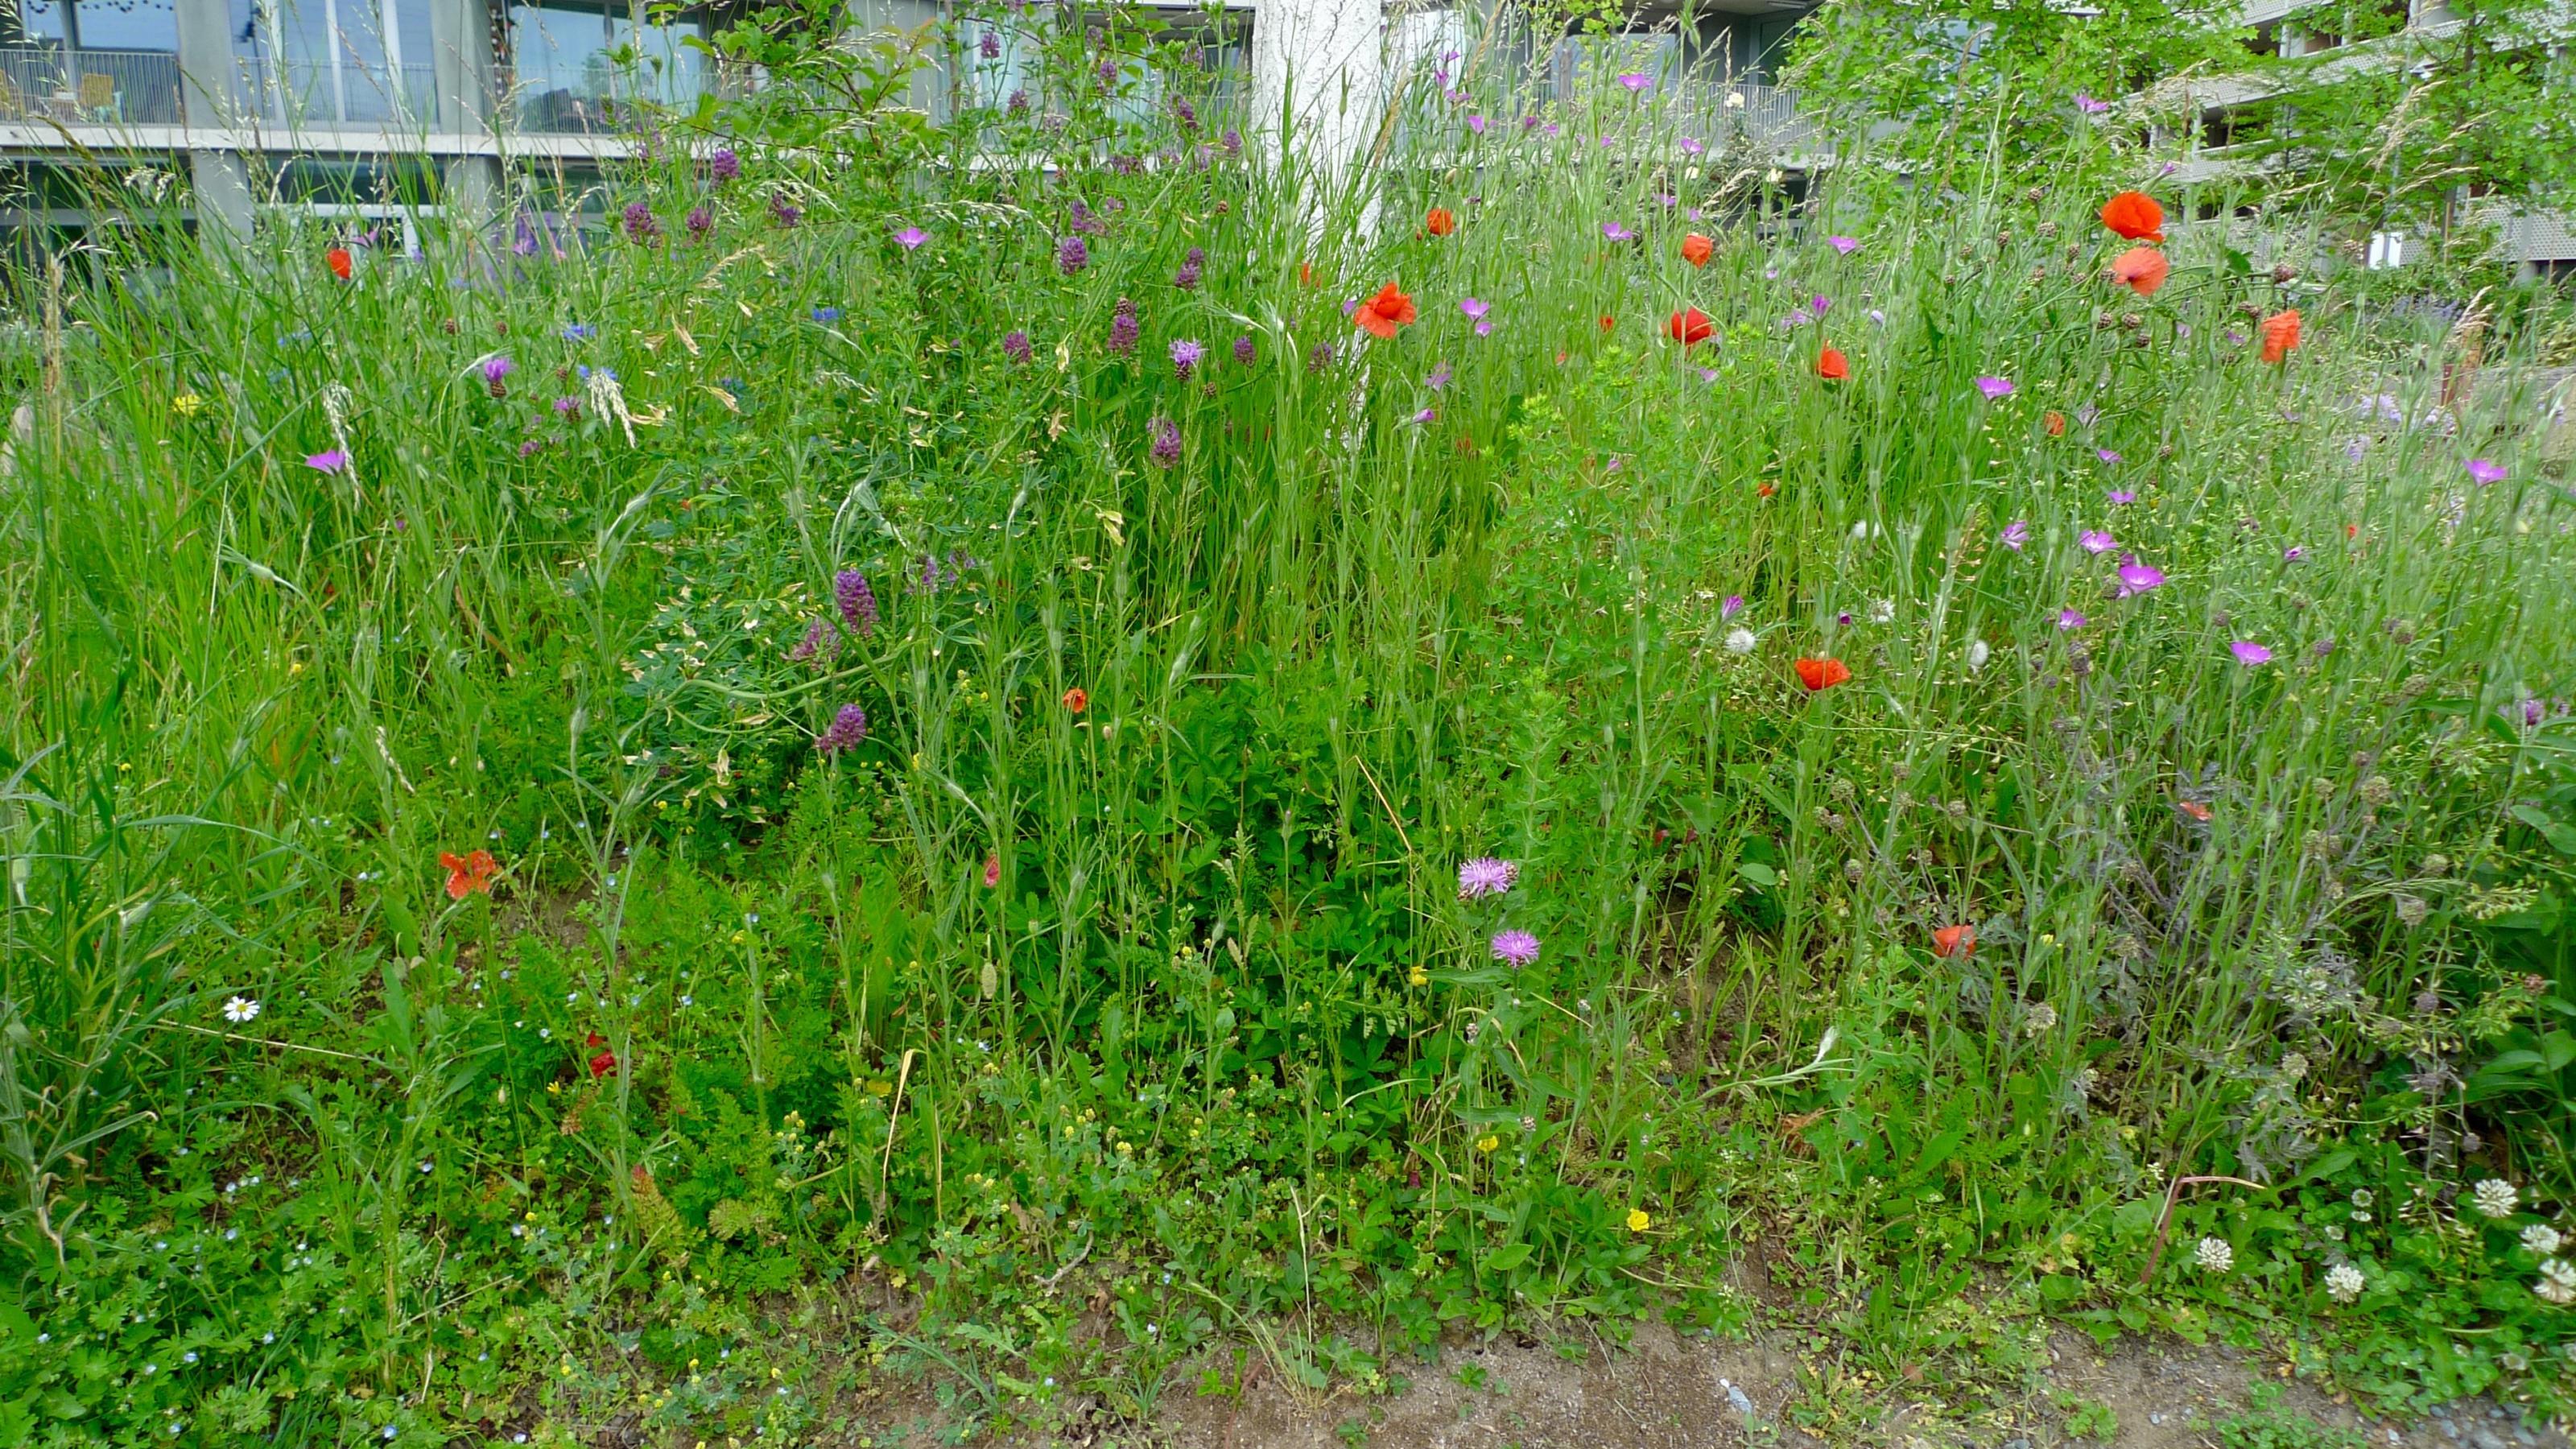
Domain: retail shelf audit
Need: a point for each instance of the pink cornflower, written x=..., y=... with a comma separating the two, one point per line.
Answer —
x=1486, y=876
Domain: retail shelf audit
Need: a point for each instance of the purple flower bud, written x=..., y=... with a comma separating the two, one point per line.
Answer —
x=700, y=221
x=1018, y=105
x=1015, y=346
x=1320, y=358
x=641, y=225
x=724, y=165
x=1244, y=352
x=783, y=211
x=1071, y=255
x=849, y=727
x=1187, y=278
x=1167, y=443
x=857, y=602
x=990, y=46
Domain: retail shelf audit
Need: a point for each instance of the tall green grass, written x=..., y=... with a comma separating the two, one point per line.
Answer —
x=1124, y=963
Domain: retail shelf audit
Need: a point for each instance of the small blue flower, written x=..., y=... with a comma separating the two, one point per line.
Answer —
x=580, y=332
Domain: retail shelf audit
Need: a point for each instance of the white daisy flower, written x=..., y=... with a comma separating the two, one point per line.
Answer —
x=241, y=1010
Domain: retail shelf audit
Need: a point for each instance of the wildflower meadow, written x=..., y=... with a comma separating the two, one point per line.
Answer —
x=1052, y=753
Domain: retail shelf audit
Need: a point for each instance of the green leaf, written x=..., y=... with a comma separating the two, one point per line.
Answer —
x=1758, y=873
x=1507, y=1257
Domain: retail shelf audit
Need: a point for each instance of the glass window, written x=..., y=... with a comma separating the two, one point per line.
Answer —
x=575, y=66
x=336, y=61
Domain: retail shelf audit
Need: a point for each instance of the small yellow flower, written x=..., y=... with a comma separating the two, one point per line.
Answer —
x=880, y=1089
x=1638, y=1222
x=1488, y=1142
x=187, y=405
x=1419, y=977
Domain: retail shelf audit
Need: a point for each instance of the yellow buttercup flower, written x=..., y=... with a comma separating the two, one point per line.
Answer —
x=1488, y=1142
x=187, y=405
x=1638, y=1222
x=1419, y=977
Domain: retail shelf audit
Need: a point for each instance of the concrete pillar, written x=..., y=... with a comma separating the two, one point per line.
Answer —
x=1318, y=80
x=469, y=102
x=209, y=104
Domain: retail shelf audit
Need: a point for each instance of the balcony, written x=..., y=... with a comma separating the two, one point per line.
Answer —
x=43, y=83
x=304, y=94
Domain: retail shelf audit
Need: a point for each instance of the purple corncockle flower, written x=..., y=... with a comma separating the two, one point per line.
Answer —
x=1244, y=351
x=1995, y=388
x=1516, y=948
x=1166, y=451
x=848, y=728
x=1843, y=244
x=1730, y=606
x=1616, y=232
x=2484, y=472
x=1185, y=355
x=856, y=601
x=1071, y=255
x=2089, y=106
x=2094, y=540
x=2293, y=554
x=1691, y=146
x=1426, y=417
x=1474, y=309
x=1439, y=376
x=1015, y=345
x=1877, y=317
x=1636, y=80
x=911, y=237
x=2069, y=619
x=2249, y=653
x=2121, y=496
x=2137, y=578
x=2016, y=533
x=1708, y=374
x=1486, y=876
x=2106, y=455
x=1820, y=304
x=1476, y=124
x=724, y=165
x=330, y=460
x=1843, y=619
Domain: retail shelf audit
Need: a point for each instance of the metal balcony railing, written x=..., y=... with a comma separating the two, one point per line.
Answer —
x=1719, y=109
x=88, y=87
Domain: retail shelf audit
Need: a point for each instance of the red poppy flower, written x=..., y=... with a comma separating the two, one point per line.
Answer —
x=1832, y=366
x=602, y=1064
x=1077, y=699
x=2135, y=215
x=2055, y=421
x=2141, y=269
x=1306, y=274
x=1766, y=490
x=1608, y=322
x=1380, y=315
x=992, y=870
x=2194, y=809
x=2280, y=334
x=1955, y=941
x=1689, y=326
x=337, y=259
x=468, y=874
x=1440, y=222
x=1697, y=249
x=1819, y=674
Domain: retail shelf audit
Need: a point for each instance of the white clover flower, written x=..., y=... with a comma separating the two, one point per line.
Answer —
x=2495, y=1197
x=1978, y=654
x=2214, y=1256
x=2541, y=1238
x=1739, y=640
x=2557, y=1282
x=2343, y=1282
x=2039, y=1018
x=241, y=1009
